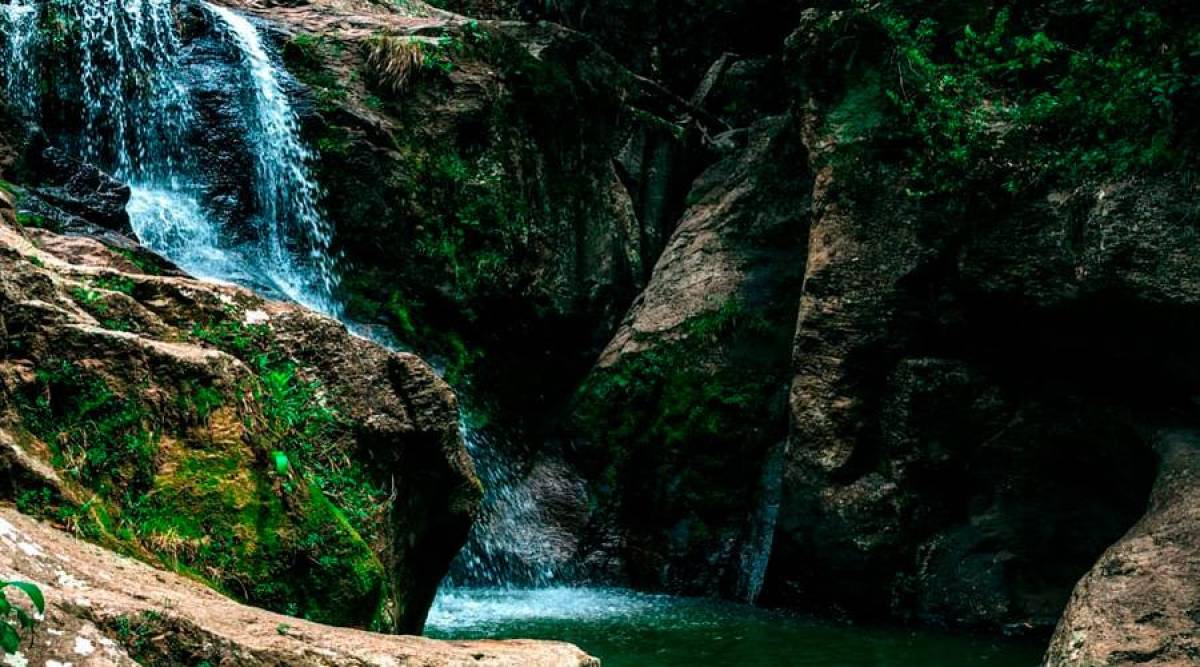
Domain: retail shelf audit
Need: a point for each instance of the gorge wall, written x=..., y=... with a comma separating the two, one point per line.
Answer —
x=925, y=349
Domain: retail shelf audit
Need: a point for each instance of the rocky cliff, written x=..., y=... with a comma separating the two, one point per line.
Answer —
x=892, y=332
x=881, y=310
x=105, y=610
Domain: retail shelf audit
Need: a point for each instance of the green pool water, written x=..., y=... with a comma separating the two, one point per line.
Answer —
x=626, y=629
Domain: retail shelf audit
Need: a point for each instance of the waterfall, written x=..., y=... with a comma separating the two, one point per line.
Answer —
x=296, y=236
x=125, y=69
x=19, y=31
x=508, y=544
x=136, y=111
x=121, y=67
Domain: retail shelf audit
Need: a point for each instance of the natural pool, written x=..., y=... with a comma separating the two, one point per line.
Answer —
x=627, y=629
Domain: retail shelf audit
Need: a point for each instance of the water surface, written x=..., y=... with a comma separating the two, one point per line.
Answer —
x=626, y=629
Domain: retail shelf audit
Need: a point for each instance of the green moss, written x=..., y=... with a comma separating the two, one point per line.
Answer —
x=114, y=283
x=103, y=440
x=36, y=221
x=145, y=262
x=309, y=59
x=683, y=426
x=192, y=481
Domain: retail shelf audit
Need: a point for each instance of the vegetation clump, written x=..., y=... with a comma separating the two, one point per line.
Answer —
x=1003, y=100
x=14, y=618
x=680, y=423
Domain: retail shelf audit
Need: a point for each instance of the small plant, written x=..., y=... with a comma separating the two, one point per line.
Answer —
x=393, y=60
x=144, y=262
x=90, y=299
x=36, y=221
x=120, y=284
x=10, y=638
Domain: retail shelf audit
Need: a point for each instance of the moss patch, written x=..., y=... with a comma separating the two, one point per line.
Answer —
x=684, y=426
x=187, y=474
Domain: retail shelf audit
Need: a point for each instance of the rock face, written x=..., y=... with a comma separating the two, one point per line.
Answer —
x=106, y=610
x=1138, y=604
x=449, y=143
x=255, y=445
x=74, y=194
x=954, y=448
x=686, y=402
x=780, y=359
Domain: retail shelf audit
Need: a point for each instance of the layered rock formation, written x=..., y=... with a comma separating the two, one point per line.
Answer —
x=105, y=610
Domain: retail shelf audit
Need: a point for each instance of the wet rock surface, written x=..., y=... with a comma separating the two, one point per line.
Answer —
x=71, y=190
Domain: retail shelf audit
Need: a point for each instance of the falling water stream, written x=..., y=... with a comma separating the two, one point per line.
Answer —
x=18, y=21
x=136, y=114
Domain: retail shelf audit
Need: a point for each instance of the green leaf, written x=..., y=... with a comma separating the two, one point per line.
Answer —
x=33, y=592
x=9, y=640
x=281, y=462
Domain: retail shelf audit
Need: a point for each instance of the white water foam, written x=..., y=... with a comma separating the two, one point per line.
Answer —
x=19, y=32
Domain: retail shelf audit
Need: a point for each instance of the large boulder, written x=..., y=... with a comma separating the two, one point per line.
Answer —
x=1140, y=604
x=106, y=610
x=254, y=445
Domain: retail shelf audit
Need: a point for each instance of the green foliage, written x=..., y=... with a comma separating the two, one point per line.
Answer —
x=136, y=633
x=280, y=524
x=234, y=336
x=310, y=435
x=36, y=221
x=1025, y=98
x=311, y=59
x=682, y=422
x=114, y=283
x=101, y=439
x=145, y=262
x=91, y=300
x=13, y=618
x=198, y=400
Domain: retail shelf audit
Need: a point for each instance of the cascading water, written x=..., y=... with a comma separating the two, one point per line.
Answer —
x=19, y=30
x=509, y=544
x=125, y=73
x=135, y=111
x=137, y=116
x=294, y=234
x=136, y=120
